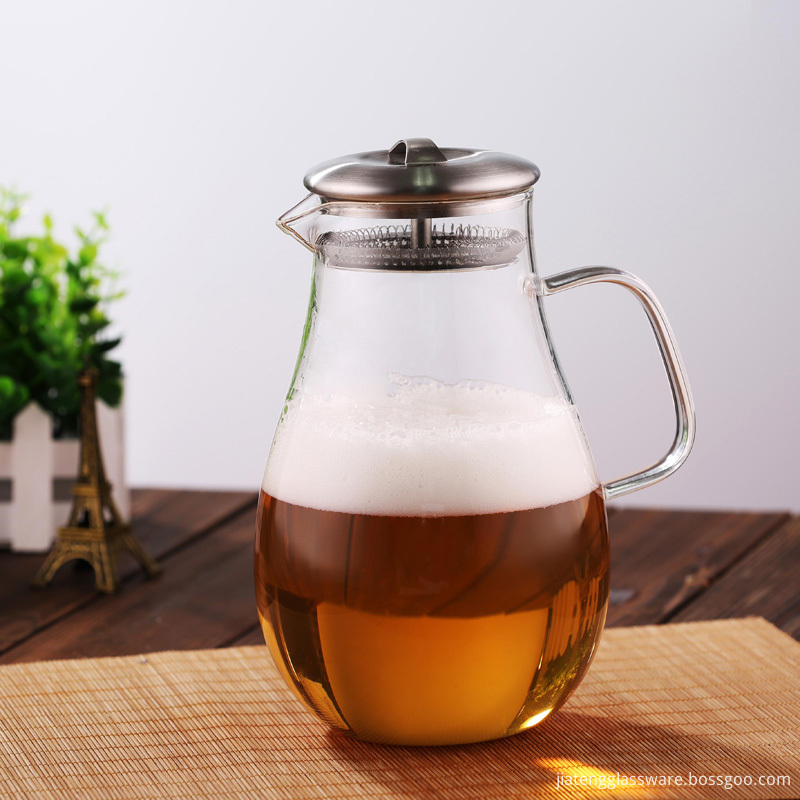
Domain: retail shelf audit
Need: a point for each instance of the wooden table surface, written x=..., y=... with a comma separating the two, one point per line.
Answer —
x=667, y=566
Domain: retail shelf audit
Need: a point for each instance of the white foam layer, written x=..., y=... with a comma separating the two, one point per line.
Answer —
x=430, y=449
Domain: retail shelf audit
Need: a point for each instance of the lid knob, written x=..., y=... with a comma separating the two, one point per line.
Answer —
x=410, y=152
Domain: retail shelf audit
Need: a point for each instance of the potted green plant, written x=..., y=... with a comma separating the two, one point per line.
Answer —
x=53, y=321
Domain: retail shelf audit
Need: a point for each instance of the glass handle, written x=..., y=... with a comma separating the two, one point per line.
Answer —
x=673, y=363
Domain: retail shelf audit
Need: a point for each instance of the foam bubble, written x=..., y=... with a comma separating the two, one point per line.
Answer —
x=430, y=449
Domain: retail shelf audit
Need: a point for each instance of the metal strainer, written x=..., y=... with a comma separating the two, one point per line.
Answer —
x=421, y=246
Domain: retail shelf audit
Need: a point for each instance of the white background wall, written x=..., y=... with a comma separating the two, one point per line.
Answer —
x=667, y=133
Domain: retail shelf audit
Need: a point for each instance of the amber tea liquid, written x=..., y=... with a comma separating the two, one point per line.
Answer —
x=431, y=628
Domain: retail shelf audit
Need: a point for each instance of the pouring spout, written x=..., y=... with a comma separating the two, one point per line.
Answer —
x=303, y=213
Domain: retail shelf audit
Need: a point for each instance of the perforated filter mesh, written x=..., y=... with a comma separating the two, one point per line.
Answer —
x=450, y=247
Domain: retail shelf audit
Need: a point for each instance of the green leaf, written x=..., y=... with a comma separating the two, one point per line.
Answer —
x=110, y=392
x=16, y=249
x=100, y=219
x=83, y=304
x=87, y=254
x=110, y=369
x=108, y=344
x=93, y=326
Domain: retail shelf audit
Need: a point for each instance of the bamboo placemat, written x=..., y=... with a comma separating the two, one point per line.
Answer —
x=702, y=699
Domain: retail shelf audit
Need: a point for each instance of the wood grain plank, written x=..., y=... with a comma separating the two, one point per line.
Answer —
x=253, y=636
x=164, y=520
x=204, y=598
x=660, y=560
x=17, y=569
x=145, y=501
x=766, y=583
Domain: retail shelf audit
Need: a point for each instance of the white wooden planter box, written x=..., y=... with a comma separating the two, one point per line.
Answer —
x=37, y=472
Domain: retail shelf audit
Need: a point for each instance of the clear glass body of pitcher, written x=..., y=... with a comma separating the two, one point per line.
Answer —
x=432, y=554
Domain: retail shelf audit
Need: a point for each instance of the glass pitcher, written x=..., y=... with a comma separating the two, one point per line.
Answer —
x=432, y=557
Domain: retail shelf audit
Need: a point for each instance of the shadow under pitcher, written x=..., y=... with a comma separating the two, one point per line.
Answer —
x=432, y=557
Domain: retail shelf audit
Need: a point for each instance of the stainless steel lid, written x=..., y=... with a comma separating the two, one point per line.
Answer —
x=417, y=170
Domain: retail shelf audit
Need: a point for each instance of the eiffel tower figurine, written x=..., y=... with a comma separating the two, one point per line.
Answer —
x=95, y=531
